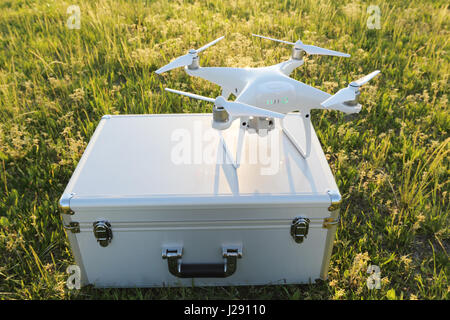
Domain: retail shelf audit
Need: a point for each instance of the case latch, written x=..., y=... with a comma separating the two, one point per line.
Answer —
x=299, y=229
x=103, y=232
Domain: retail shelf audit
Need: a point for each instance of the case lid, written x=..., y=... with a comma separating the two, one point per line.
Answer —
x=179, y=160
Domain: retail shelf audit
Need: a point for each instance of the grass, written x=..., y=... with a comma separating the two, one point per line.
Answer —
x=391, y=161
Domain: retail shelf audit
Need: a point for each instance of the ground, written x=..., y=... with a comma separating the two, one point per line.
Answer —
x=390, y=161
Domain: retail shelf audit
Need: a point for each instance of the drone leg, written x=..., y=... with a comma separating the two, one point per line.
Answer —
x=239, y=146
x=307, y=127
x=234, y=162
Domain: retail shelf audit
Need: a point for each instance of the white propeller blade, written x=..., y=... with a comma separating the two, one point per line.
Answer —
x=187, y=59
x=234, y=108
x=239, y=109
x=209, y=44
x=309, y=49
x=282, y=41
x=365, y=79
x=178, y=62
x=191, y=95
x=349, y=93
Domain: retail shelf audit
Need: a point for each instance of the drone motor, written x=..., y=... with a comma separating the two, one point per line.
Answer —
x=221, y=118
x=297, y=53
x=195, y=60
x=354, y=102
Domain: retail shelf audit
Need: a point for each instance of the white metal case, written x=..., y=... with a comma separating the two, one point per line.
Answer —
x=153, y=202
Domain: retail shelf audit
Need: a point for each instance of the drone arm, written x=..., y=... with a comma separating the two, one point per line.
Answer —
x=232, y=80
x=346, y=99
x=226, y=92
x=343, y=108
x=289, y=66
x=313, y=98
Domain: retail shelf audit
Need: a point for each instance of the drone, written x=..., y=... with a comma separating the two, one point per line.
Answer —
x=265, y=93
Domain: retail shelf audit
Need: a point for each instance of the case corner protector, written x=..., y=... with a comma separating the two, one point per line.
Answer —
x=336, y=200
x=64, y=203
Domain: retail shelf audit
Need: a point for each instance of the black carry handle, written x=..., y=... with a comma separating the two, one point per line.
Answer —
x=202, y=270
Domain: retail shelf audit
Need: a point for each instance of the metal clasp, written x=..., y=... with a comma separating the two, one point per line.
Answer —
x=299, y=229
x=103, y=232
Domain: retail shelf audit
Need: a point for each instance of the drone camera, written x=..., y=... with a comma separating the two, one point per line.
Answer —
x=259, y=125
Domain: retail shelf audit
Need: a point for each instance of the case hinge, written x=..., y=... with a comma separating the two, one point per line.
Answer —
x=329, y=222
x=299, y=229
x=103, y=232
x=73, y=226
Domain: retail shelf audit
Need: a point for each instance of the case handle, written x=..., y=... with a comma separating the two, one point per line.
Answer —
x=202, y=270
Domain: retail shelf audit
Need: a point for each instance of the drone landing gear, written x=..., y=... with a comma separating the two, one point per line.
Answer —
x=257, y=125
x=262, y=126
x=240, y=143
x=306, y=117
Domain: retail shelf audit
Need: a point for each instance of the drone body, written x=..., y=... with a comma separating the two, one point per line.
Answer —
x=267, y=92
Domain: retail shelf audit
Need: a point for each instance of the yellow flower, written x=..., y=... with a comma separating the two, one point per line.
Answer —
x=77, y=95
x=339, y=294
x=333, y=283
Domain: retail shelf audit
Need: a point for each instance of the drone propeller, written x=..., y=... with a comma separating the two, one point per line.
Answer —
x=350, y=93
x=235, y=109
x=187, y=59
x=309, y=49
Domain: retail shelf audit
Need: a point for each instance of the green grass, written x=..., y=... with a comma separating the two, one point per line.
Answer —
x=391, y=161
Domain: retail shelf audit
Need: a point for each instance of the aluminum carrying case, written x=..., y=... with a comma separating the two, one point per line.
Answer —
x=154, y=202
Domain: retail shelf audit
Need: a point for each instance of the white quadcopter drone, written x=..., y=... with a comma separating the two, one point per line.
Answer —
x=265, y=93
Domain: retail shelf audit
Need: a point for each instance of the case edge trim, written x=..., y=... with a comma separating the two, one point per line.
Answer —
x=76, y=252
x=334, y=208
